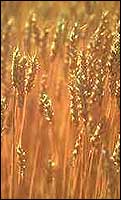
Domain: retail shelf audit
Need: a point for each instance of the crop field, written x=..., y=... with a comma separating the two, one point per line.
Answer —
x=60, y=100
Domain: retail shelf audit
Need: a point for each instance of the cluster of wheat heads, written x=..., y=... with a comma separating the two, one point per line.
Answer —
x=60, y=100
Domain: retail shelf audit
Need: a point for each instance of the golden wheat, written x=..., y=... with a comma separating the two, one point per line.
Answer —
x=60, y=103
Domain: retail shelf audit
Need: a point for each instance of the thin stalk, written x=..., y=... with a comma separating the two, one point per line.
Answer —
x=23, y=120
x=20, y=179
x=12, y=190
x=89, y=173
x=34, y=170
x=98, y=177
x=35, y=161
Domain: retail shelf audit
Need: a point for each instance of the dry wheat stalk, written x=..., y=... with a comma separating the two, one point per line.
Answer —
x=8, y=33
x=32, y=32
x=57, y=38
x=71, y=45
x=43, y=46
x=45, y=106
x=115, y=66
x=18, y=75
x=23, y=83
x=21, y=162
x=51, y=140
x=31, y=73
x=79, y=89
x=98, y=53
x=116, y=154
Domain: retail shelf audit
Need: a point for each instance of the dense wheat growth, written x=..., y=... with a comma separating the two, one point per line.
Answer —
x=60, y=100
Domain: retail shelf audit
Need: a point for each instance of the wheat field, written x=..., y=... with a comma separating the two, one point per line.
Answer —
x=60, y=100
